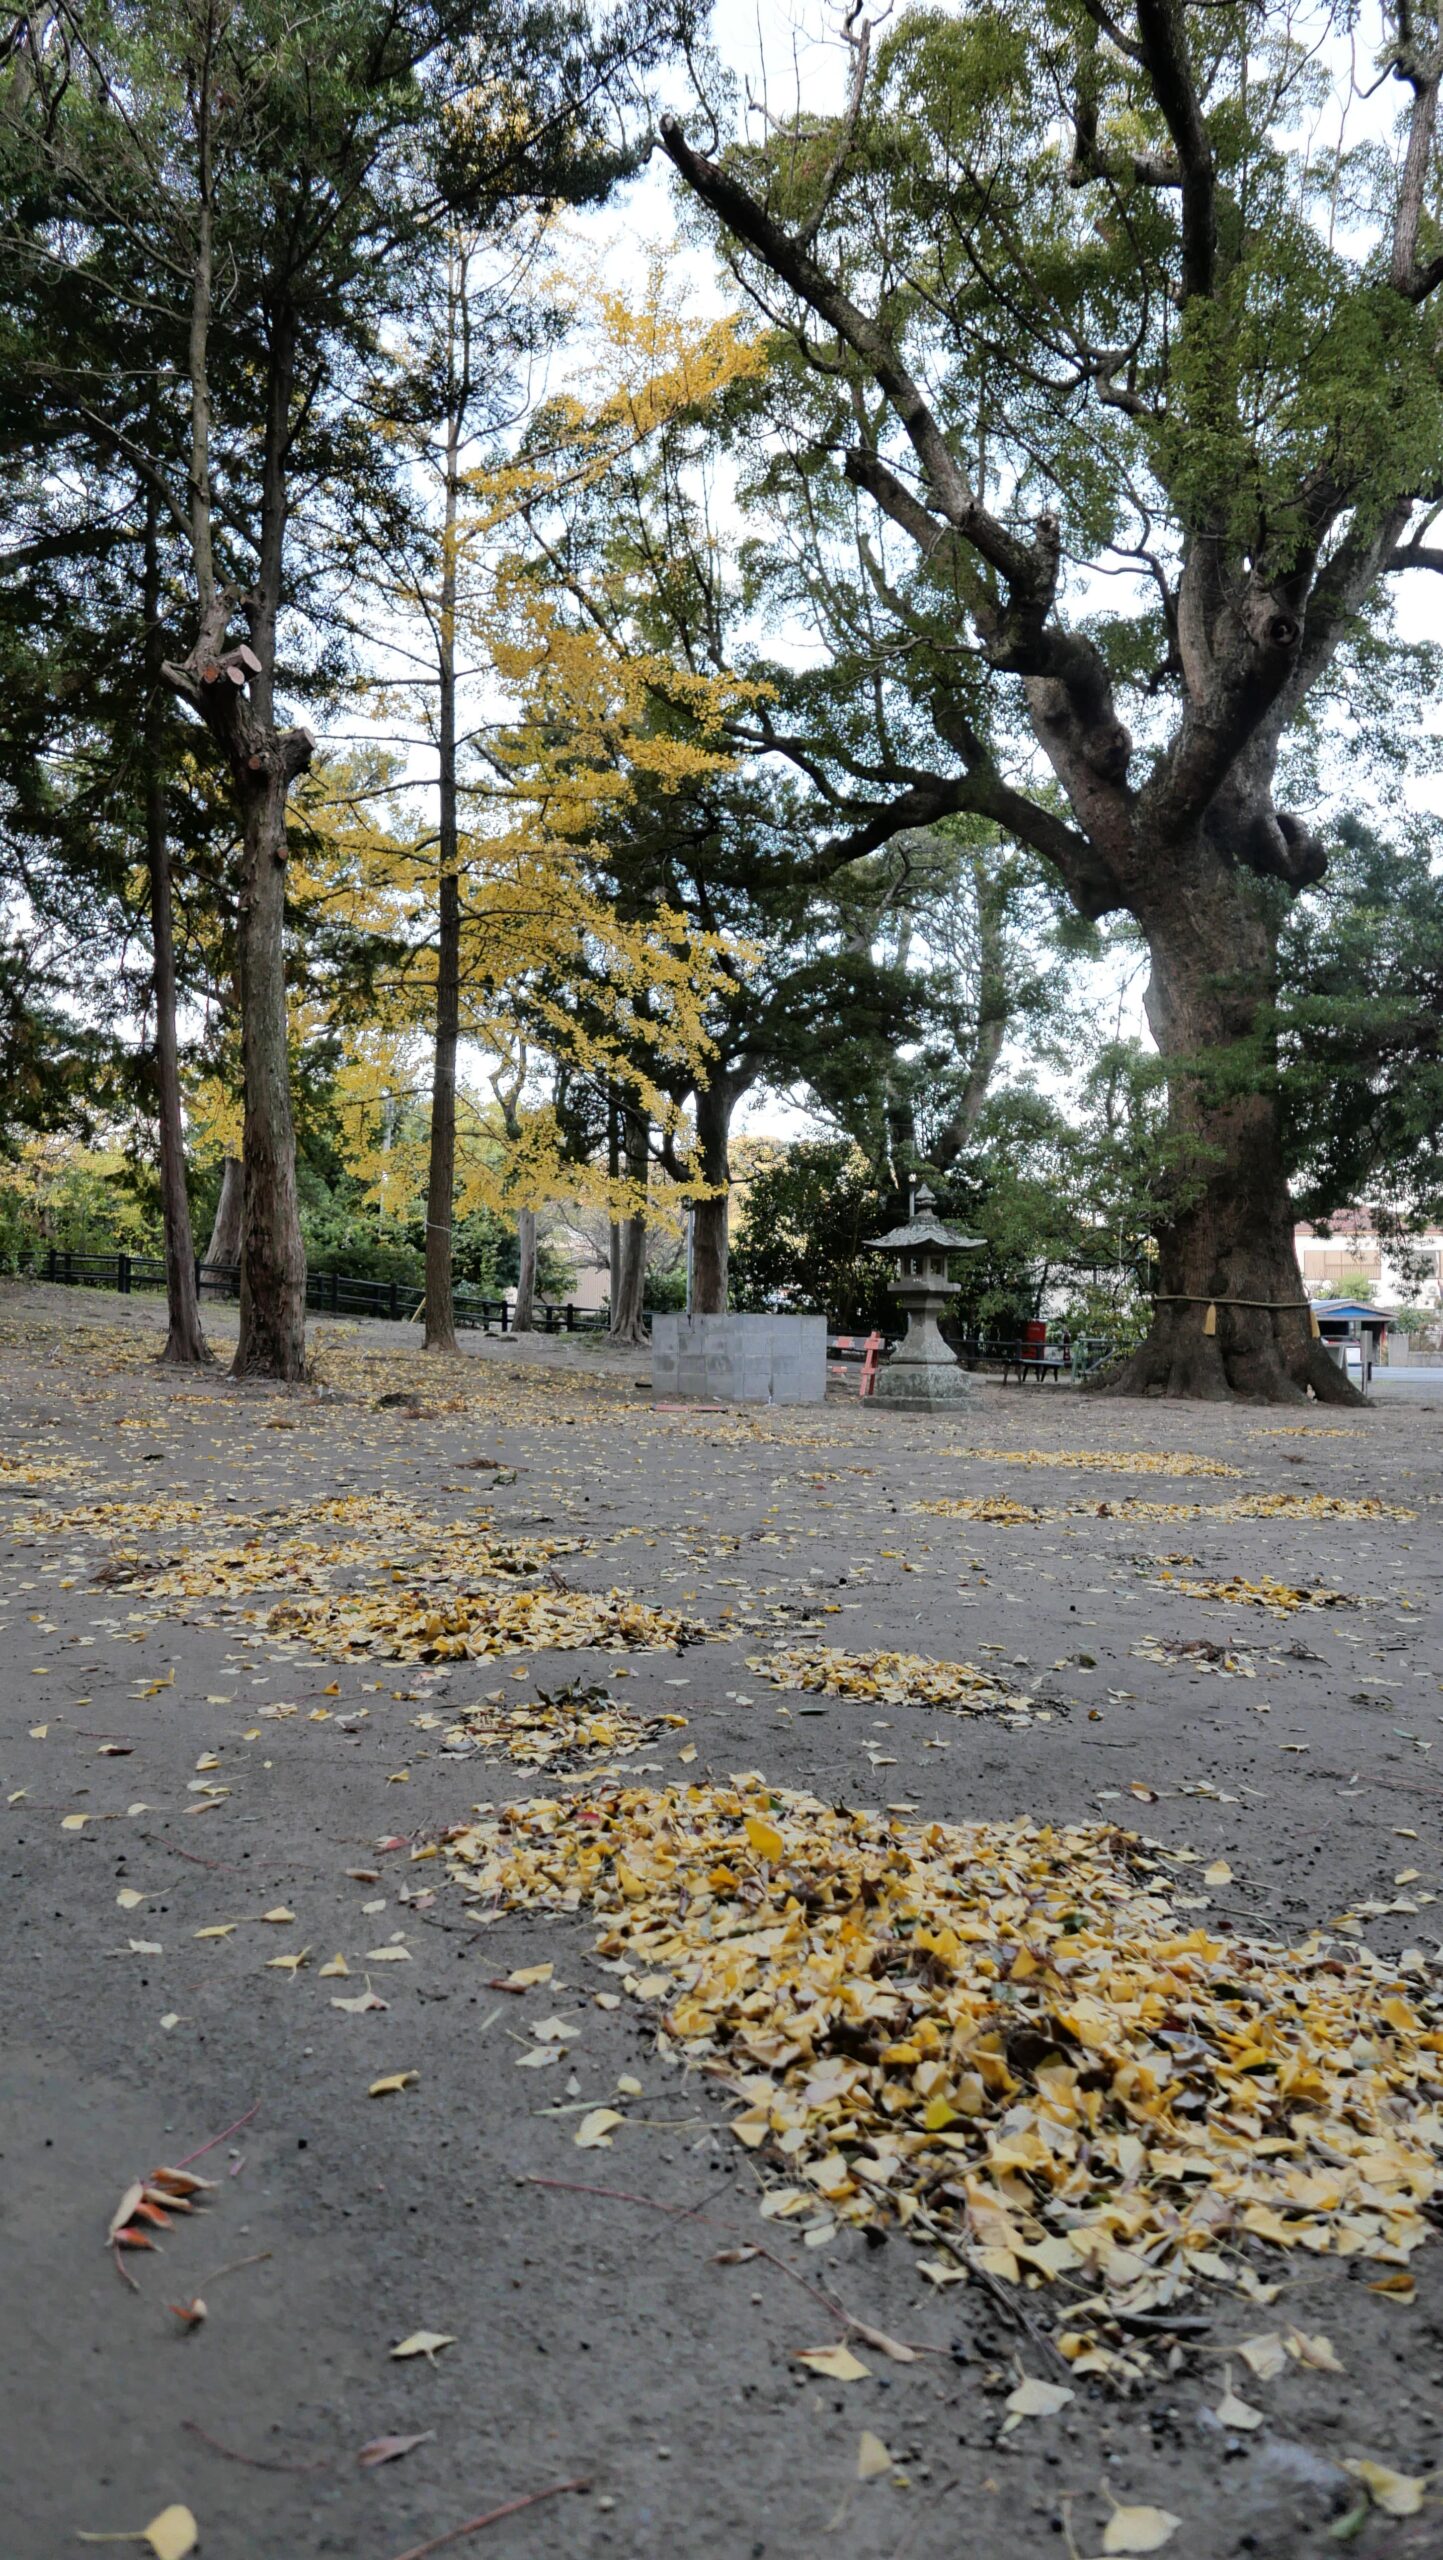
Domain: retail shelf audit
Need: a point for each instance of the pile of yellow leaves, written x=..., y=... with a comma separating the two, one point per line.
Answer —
x=1123, y=1462
x=1002, y=2037
x=568, y=1727
x=893, y=1679
x=1240, y=1506
x=1281, y=1597
x=411, y=1625
x=998, y=1507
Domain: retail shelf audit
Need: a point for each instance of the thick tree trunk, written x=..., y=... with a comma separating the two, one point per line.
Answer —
x=272, y=1340
x=710, y=1240
x=225, y=1235
x=630, y=1291
x=1231, y=1315
x=185, y=1342
x=526, y=1274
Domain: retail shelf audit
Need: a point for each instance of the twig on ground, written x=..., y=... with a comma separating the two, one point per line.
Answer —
x=478, y=2524
x=234, y=2267
x=252, y=2461
x=218, y=2137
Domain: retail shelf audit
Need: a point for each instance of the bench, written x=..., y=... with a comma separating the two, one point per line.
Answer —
x=1033, y=1364
x=844, y=1349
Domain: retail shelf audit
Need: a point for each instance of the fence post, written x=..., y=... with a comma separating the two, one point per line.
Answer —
x=393, y=1302
x=570, y=1317
x=335, y=1279
x=122, y=1274
x=50, y=1263
x=505, y=1314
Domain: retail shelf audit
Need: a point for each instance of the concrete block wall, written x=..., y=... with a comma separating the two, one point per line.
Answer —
x=761, y=1359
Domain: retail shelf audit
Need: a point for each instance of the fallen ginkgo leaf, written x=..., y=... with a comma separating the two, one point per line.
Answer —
x=330, y=1972
x=1035, y=2399
x=171, y=2535
x=279, y=1916
x=594, y=2131
x=1134, y=2529
x=838, y=2363
x=422, y=2342
x=873, y=2459
x=1233, y=2412
x=1394, y=2492
x=393, y=2081
x=1264, y=2355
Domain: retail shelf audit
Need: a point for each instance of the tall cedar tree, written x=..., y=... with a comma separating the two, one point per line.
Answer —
x=1152, y=393
x=220, y=212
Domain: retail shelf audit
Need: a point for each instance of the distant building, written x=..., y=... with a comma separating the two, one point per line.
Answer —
x=1353, y=1254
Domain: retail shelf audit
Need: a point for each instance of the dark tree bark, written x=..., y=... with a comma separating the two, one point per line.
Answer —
x=710, y=1236
x=1231, y=1315
x=441, y=1184
x=526, y=1271
x=185, y=1342
x=232, y=689
x=627, y=1303
x=225, y=1235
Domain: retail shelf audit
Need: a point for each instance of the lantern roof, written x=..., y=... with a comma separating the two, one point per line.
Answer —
x=924, y=1228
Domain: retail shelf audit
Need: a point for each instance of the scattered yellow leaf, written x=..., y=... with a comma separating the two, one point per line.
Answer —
x=873, y=2459
x=594, y=2131
x=837, y=2364
x=1133, y=2529
x=393, y=2081
x=422, y=2342
x=1395, y=2492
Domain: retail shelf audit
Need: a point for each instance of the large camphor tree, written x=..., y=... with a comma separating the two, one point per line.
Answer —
x=1138, y=377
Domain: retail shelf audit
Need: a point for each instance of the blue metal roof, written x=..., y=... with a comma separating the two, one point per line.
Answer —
x=1329, y=1307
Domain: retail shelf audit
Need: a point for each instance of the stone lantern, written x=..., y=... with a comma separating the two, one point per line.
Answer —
x=922, y=1371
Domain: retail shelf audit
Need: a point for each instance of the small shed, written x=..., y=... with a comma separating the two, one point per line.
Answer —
x=1352, y=1320
x=1356, y=1333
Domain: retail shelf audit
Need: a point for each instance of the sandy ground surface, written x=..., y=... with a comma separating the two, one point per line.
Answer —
x=616, y=2338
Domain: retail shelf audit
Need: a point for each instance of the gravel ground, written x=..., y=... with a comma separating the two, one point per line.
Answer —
x=600, y=2337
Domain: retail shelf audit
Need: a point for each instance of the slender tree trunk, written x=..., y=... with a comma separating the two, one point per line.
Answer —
x=185, y=1342
x=710, y=1240
x=1231, y=1314
x=630, y=1293
x=441, y=1185
x=613, y=1169
x=233, y=690
x=272, y=1340
x=225, y=1234
x=526, y=1276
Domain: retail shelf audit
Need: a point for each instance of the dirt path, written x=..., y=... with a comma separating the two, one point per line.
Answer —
x=227, y=1769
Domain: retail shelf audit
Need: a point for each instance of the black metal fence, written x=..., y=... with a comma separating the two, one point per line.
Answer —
x=331, y=1293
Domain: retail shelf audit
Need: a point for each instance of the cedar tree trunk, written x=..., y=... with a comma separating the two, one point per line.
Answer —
x=630, y=1291
x=185, y=1342
x=272, y=1340
x=710, y=1242
x=225, y=1235
x=526, y=1274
